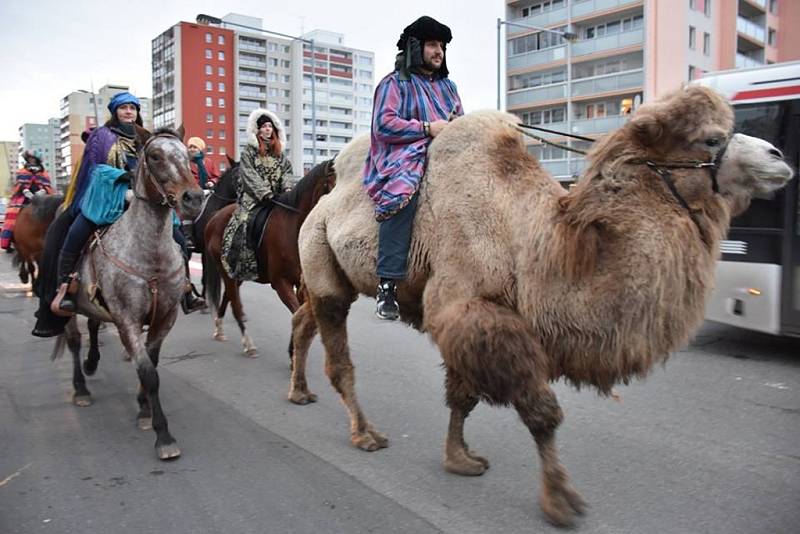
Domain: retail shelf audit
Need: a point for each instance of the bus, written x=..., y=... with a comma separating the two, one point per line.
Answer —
x=758, y=275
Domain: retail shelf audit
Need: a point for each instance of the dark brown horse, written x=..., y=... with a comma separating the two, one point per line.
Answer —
x=28, y=237
x=278, y=257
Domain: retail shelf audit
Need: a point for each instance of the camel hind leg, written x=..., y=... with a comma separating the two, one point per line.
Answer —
x=489, y=353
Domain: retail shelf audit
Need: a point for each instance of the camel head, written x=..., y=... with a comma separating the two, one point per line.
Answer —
x=750, y=167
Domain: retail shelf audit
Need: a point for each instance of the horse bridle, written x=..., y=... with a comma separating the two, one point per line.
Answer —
x=664, y=168
x=167, y=199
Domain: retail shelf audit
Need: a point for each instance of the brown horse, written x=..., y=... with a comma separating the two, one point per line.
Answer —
x=28, y=237
x=278, y=258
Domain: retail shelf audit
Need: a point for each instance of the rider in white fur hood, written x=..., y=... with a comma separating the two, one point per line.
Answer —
x=252, y=126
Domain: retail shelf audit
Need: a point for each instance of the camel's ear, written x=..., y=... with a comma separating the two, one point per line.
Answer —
x=648, y=128
x=181, y=131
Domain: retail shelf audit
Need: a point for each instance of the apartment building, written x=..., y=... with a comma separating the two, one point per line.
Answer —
x=209, y=76
x=9, y=163
x=627, y=52
x=81, y=110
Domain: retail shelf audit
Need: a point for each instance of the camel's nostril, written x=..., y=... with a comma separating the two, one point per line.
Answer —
x=775, y=152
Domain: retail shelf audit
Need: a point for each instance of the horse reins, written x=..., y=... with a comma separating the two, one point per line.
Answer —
x=167, y=199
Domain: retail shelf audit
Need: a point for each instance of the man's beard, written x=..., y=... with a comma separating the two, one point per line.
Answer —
x=431, y=67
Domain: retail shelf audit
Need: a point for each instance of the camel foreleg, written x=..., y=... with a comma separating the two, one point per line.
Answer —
x=490, y=353
x=304, y=328
x=331, y=315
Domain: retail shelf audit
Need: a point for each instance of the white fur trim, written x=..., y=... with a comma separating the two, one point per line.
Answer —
x=252, y=129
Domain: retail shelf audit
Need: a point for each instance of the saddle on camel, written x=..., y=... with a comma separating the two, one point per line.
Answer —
x=256, y=239
x=520, y=283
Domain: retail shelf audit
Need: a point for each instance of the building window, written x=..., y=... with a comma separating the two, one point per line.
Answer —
x=222, y=134
x=208, y=102
x=222, y=151
x=691, y=72
x=209, y=117
x=222, y=168
x=208, y=37
x=221, y=71
x=208, y=53
x=222, y=119
x=692, y=37
x=706, y=44
x=285, y=63
x=273, y=61
x=221, y=55
x=773, y=7
x=209, y=149
x=209, y=134
x=208, y=86
x=221, y=102
x=221, y=39
x=707, y=8
x=221, y=87
x=772, y=37
x=209, y=70
x=692, y=4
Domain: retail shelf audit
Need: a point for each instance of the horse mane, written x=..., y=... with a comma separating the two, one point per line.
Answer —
x=306, y=183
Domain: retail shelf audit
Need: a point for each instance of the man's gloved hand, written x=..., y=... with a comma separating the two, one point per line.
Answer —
x=40, y=193
x=27, y=193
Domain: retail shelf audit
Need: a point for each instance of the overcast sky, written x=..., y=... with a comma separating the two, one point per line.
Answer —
x=50, y=48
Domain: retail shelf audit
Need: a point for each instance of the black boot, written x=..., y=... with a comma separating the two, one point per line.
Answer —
x=187, y=227
x=387, y=307
x=191, y=301
x=66, y=267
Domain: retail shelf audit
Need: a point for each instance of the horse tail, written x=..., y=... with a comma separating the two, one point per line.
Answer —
x=17, y=260
x=58, y=349
x=212, y=281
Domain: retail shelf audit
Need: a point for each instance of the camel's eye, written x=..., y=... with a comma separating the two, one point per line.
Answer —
x=713, y=141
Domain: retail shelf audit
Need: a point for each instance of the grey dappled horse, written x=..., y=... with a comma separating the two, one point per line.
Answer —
x=137, y=271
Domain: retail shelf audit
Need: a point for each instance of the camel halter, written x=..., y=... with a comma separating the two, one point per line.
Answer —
x=167, y=199
x=663, y=169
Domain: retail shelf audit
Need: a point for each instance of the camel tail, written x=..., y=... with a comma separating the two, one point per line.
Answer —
x=58, y=349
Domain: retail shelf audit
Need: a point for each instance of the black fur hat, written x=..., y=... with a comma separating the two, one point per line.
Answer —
x=412, y=41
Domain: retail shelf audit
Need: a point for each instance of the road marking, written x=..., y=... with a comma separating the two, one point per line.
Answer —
x=14, y=475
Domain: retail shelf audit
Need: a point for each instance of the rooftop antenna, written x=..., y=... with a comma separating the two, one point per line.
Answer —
x=94, y=99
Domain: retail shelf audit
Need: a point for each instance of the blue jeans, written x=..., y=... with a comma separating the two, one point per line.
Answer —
x=394, y=240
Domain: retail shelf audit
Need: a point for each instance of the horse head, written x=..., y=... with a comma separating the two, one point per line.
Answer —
x=324, y=180
x=164, y=176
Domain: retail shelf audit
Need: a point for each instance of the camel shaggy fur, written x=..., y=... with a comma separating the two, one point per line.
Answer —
x=520, y=283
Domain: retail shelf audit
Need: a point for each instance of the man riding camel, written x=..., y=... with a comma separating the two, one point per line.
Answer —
x=412, y=105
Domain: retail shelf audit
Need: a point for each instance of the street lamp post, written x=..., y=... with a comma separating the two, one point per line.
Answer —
x=569, y=38
x=209, y=19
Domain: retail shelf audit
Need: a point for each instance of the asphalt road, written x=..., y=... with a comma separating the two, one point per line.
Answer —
x=709, y=443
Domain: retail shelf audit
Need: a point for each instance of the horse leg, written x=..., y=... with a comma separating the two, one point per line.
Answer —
x=90, y=363
x=286, y=292
x=81, y=396
x=331, y=316
x=166, y=446
x=232, y=292
x=23, y=271
x=490, y=353
x=304, y=327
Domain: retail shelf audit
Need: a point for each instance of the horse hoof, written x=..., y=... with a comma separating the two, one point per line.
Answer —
x=252, y=352
x=302, y=398
x=144, y=423
x=82, y=400
x=220, y=337
x=168, y=452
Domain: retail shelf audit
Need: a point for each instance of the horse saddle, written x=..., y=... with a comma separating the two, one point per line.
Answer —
x=257, y=222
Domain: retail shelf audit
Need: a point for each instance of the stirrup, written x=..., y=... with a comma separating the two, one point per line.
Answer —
x=58, y=301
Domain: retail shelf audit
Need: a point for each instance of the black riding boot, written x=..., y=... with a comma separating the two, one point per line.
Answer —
x=191, y=301
x=66, y=266
x=187, y=227
x=387, y=307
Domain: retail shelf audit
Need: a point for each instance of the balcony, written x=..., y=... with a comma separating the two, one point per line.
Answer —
x=608, y=82
x=750, y=29
x=746, y=62
x=537, y=57
x=581, y=8
x=253, y=64
x=608, y=42
x=563, y=172
x=598, y=126
x=549, y=18
x=536, y=94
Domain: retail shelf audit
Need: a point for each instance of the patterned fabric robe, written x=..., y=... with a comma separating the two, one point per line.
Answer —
x=260, y=178
x=399, y=146
x=39, y=181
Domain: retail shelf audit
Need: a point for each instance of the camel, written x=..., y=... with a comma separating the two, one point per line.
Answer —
x=520, y=283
